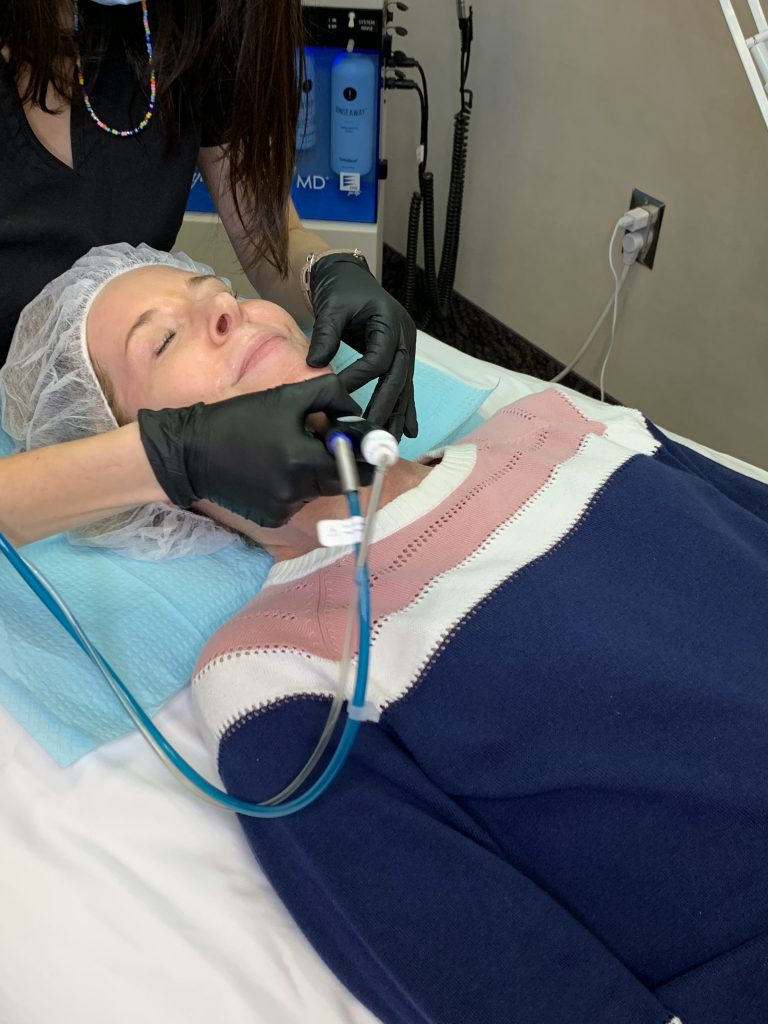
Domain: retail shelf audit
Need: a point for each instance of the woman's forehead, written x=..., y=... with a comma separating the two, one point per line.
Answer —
x=154, y=276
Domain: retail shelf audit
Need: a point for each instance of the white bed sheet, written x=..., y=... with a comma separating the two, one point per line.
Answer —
x=124, y=898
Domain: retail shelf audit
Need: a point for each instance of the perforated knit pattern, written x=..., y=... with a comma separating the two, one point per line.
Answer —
x=518, y=451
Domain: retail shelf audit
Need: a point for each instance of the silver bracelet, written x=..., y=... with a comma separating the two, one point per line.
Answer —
x=314, y=258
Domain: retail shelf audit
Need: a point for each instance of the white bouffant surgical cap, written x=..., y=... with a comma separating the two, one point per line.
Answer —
x=49, y=393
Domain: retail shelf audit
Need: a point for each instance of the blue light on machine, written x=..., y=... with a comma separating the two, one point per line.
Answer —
x=336, y=140
x=337, y=136
x=199, y=200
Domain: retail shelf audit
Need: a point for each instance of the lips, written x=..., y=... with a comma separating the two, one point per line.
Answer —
x=256, y=349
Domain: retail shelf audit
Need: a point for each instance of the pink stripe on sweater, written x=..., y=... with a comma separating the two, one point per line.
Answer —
x=517, y=451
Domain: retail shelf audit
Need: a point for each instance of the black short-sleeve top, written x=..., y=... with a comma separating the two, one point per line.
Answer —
x=131, y=189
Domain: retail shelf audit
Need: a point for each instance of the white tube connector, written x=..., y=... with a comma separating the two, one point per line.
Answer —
x=379, y=448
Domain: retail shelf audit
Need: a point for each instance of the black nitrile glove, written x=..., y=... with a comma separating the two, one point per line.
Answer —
x=350, y=305
x=252, y=454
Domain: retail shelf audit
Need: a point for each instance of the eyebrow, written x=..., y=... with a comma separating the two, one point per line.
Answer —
x=144, y=318
x=140, y=321
x=193, y=282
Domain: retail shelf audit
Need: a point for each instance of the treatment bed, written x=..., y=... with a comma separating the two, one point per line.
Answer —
x=124, y=898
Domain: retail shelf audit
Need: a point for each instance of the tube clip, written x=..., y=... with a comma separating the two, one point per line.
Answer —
x=367, y=713
x=336, y=533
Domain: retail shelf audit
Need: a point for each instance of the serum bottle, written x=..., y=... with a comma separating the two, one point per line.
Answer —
x=353, y=113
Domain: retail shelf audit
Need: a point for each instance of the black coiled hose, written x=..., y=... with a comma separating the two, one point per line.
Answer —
x=450, y=252
x=430, y=270
x=440, y=285
x=414, y=216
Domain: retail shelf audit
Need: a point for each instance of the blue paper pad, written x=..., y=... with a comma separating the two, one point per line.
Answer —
x=150, y=620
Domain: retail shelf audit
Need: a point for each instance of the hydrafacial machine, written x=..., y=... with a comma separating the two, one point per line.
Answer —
x=753, y=50
x=348, y=439
x=337, y=188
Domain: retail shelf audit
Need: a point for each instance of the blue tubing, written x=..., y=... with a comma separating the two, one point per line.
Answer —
x=363, y=581
x=167, y=753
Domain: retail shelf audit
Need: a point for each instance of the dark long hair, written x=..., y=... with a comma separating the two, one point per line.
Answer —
x=240, y=57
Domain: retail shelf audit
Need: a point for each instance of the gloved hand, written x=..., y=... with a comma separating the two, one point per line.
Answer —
x=351, y=305
x=252, y=454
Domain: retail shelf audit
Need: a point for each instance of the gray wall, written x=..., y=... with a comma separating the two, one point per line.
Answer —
x=576, y=104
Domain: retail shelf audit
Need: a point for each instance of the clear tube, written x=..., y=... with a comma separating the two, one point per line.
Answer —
x=361, y=552
x=165, y=751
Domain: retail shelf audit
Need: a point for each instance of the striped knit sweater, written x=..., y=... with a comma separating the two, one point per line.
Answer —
x=562, y=815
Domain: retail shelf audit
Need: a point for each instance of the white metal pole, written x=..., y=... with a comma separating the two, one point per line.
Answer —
x=746, y=57
x=757, y=13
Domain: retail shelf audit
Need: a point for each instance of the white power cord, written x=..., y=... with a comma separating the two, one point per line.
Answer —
x=578, y=357
x=635, y=223
x=615, y=305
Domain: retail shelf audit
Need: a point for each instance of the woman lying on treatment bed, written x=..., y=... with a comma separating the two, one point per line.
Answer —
x=562, y=815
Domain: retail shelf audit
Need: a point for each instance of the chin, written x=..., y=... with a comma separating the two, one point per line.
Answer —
x=293, y=376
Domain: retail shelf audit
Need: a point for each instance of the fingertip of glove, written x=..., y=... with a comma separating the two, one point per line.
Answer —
x=395, y=427
x=411, y=427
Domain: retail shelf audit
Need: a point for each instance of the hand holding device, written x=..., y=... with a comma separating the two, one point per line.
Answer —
x=252, y=454
x=350, y=304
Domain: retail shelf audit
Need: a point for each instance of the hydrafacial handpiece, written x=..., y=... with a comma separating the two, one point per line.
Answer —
x=374, y=445
x=344, y=438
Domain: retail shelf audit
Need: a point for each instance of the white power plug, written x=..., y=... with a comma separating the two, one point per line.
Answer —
x=636, y=219
x=633, y=245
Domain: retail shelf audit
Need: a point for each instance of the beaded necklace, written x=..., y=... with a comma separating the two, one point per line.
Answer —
x=152, y=80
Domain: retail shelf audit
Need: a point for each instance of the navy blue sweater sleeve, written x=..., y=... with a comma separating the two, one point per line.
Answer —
x=750, y=494
x=408, y=901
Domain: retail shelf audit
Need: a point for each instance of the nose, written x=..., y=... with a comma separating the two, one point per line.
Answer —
x=223, y=316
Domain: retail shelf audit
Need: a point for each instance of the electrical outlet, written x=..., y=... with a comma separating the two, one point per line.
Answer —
x=656, y=208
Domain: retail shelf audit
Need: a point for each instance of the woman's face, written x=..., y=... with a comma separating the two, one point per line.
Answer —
x=166, y=337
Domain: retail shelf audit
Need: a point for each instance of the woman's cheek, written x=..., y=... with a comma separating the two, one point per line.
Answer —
x=300, y=371
x=172, y=390
x=290, y=369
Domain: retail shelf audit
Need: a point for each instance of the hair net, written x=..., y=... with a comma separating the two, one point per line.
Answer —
x=49, y=393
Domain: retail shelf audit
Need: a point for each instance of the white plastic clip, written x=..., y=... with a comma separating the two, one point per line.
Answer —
x=367, y=713
x=336, y=533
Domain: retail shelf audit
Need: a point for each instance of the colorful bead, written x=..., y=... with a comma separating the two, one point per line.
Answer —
x=152, y=80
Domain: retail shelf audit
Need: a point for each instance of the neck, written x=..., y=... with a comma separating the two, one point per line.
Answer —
x=299, y=535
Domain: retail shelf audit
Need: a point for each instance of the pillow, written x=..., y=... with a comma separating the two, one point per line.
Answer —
x=149, y=619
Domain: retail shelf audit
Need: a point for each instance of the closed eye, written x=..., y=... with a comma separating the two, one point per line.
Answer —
x=167, y=339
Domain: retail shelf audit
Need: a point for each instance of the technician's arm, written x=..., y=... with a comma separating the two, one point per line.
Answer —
x=58, y=488
x=286, y=292
x=251, y=454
